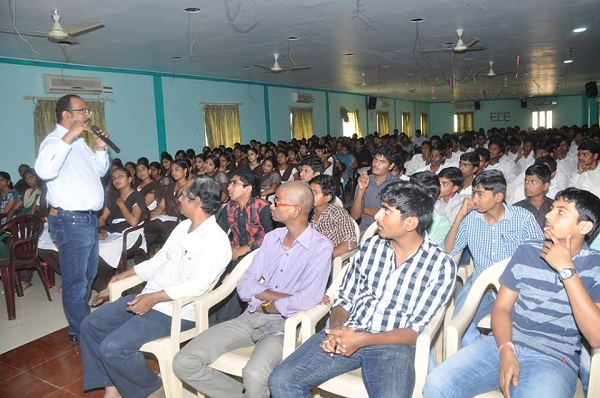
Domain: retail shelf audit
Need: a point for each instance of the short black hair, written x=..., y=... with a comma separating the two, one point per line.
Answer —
x=441, y=147
x=483, y=152
x=326, y=183
x=541, y=171
x=216, y=161
x=412, y=200
x=498, y=141
x=547, y=161
x=586, y=203
x=454, y=175
x=183, y=163
x=466, y=141
x=314, y=163
x=156, y=165
x=429, y=180
x=144, y=160
x=249, y=178
x=491, y=180
x=387, y=152
x=272, y=160
x=590, y=145
x=209, y=192
x=64, y=104
x=6, y=176
x=167, y=156
x=428, y=143
x=471, y=157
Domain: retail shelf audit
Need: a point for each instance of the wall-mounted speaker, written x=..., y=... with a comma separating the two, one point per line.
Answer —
x=477, y=105
x=372, y=103
x=591, y=88
x=523, y=103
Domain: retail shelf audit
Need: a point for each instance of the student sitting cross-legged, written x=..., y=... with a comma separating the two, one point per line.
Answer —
x=395, y=284
x=550, y=297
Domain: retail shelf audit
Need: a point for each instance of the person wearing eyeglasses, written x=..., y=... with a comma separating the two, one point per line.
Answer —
x=248, y=217
x=73, y=171
x=287, y=275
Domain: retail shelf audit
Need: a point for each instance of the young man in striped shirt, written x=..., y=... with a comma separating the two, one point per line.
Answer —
x=395, y=284
x=550, y=297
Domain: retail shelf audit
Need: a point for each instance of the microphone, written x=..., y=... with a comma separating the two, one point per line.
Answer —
x=107, y=140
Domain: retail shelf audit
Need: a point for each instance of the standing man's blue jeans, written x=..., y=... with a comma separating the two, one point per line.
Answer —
x=110, y=341
x=474, y=370
x=388, y=370
x=76, y=236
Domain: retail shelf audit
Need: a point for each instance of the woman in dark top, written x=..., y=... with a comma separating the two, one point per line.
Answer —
x=130, y=166
x=199, y=165
x=211, y=168
x=149, y=188
x=165, y=215
x=155, y=170
x=253, y=162
x=270, y=179
x=124, y=208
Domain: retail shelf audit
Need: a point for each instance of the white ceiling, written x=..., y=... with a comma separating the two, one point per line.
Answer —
x=144, y=34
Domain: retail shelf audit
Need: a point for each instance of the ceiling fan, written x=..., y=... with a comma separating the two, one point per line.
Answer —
x=491, y=72
x=276, y=68
x=409, y=91
x=58, y=34
x=460, y=47
x=365, y=84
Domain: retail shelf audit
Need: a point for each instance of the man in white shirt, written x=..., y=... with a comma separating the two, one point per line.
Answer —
x=587, y=176
x=192, y=259
x=419, y=161
x=418, y=140
x=72, y=172
x=497, y=147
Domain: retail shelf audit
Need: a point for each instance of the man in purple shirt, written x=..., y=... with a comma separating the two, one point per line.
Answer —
x=287, y=275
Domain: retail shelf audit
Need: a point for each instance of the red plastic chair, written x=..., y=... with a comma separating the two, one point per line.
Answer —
x=23, y=253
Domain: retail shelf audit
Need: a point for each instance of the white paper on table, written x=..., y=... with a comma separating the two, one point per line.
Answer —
x=111, y=236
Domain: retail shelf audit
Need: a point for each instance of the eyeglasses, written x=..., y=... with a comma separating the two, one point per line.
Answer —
x=85, y=111
x=234, y=183
x=277, y=203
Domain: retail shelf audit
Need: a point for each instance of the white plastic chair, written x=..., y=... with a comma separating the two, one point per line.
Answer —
x=351, y=383
x=338, y=202
x=369, y=232
x=338, y=262
x=234, y=362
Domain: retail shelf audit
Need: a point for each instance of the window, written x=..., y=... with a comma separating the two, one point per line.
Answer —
x=352, y=126
x=383, y=122
x=301, y=122
x=463, y=122
x=541, y=119
x=222, y=124
x=406, y=124
x=424, y=125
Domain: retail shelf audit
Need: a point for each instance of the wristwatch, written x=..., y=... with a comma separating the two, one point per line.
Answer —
x=566, y=273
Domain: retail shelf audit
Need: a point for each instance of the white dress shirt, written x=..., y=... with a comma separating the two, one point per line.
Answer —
x=72, y=172
x=451, y=208
x=187, y=265
x=415, y=163
x=507, y=168
x=588, y=180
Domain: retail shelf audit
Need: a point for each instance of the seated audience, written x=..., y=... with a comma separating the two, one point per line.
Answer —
x=149, y=188
x=534, y=350
x=253, y=162
x=329, y=219
x=211, y=169
x=293, y=264
x=29, y=201
x=9, y=197
x=248, y=217
x=395, y=284
x=498, y=161
x=155, y=170
x=21, y=185
x=286, y=171
x=366, y=199
x=437, y=158
x=418, y=161
x=469, y=167
x=492, y=232
x=451, y=197
x=441, y=224
x=363, y=156
x=587, y=176
x=311, y=167
x=193, y=257
x=123, y=208
x=537, y=182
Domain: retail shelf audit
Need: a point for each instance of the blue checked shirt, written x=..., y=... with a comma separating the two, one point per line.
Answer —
x=380, y=296
x=489, y=244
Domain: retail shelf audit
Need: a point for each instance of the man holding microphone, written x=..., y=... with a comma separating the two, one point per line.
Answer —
x=72, y=172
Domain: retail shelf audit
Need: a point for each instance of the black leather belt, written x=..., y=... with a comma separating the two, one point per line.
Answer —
x=60, y=210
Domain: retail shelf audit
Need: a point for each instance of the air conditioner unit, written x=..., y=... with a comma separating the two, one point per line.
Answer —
x=72, y=84
x=302, y=97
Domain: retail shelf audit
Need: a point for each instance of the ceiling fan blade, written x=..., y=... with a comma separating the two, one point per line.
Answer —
x=472, y=41
x=437, y=50
x=262, y=67
x=476, y=48
x=34, y=33
x=292, y=68
x=69, y=40
x=504, y=73
x=84, y=28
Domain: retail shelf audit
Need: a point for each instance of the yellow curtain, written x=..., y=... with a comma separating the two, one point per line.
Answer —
x=406, y=124
x=424, y=125
x=355, y=121
x=44, y=120
x=302, y=122
x=465, y=121
x=222, y=125
x=383, y=122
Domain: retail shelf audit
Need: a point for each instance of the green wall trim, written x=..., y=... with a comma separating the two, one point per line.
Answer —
x=327, y=112
x=159, y=108
x=267, y=112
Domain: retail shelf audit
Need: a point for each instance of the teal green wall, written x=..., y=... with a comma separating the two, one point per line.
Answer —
x=567, y=111
x=154, y=111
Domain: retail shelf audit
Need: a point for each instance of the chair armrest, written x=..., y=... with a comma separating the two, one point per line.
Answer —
x=594, y=385
x=424, y=345
x=289, y=334
x=115, y=289
x=339, y=261
x=310, y=319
